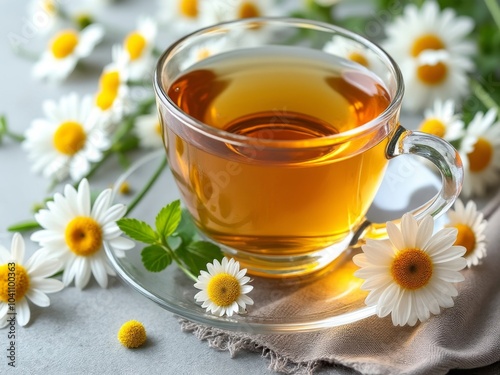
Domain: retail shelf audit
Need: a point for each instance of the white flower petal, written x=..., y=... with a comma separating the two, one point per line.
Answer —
x=99, y=272
x=23, y=312
x=38, y=298
x=47, y=285
x=17, y=248
x=43, y=267
x=83, y=274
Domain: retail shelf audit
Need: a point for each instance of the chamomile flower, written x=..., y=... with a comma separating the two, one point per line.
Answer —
x=429, y=28
x=148, y=130
x=434, y=75
x=223, y=288
x=185, y=16
x=20, y=281
x=75, y=231
x=353, y=51
x=64, y=51
x=67, y=140
x=410, y=275
x=139, y=45
x=471, y=227
x=112, y=99
x=480, y=152
x=45, y=13
x=442, y=121
x=431, y=48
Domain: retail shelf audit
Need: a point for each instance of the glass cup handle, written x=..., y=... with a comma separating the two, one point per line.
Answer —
x=442, y=155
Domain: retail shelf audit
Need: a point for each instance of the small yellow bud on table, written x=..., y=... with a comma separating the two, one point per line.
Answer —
x=132, y=334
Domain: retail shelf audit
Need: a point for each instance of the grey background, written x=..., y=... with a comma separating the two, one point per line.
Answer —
x=77, y=333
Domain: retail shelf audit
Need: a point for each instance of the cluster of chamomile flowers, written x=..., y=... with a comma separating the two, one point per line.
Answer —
x=76, y=132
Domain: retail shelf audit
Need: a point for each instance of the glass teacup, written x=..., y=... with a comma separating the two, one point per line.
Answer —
x=278, y=147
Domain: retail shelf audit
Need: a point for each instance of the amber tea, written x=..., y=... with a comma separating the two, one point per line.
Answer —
x=286, y=200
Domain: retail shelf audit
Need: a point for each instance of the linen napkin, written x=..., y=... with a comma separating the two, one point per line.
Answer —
x=465, y=336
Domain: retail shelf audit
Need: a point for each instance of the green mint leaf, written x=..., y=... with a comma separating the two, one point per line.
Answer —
x=168, y=218
x=155, y=258
x=138, y=230
x=186, y=229
x=197, y=254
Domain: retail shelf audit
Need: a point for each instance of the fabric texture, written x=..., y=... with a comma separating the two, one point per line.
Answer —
x=466, y=336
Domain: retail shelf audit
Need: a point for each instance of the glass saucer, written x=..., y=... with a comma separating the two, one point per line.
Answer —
x=329, y=298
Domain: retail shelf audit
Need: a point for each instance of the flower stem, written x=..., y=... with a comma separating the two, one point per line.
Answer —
x=494, y=9
x=24, y=226
x=181, y=265
x=5, y=131
x=148, y=186
x=483, y=95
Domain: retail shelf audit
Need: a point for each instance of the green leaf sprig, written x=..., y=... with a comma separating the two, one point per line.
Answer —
x=174, y=239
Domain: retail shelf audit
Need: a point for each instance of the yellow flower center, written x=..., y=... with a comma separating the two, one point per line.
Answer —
x=132, y=334
x=69, y=138
x=105, y=99
x=248, y=10
x=110, y=81
x=14, y=282
x=481, y=156
x=465, y=238
x=83, y=236
x=426, y=41
x=134, y=45
x=64, y=44
x=411, y=269
x=433, y=126
x=188, y=8
x=223, y=289
x=124, y=188
x=358, y=58
x=432, y=74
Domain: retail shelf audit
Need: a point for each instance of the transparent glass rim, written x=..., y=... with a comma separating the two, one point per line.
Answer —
x=241, y=140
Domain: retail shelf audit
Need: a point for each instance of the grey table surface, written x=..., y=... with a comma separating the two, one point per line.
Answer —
x=77, y=333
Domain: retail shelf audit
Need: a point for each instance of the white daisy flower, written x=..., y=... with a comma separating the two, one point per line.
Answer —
x=429, y=28
x=471, y=227
x=64, y=51
x=185, y=16
x=20, y=281
x=434, y=75
x=480, y=152
x=148, y=130
x=75, y=231
x=442, y=121
x=45, y=14
x=68, y=140
x=112, y=99
x=139, y=46
x=410, y=275
x=223, y=288
x=430, y=47
x=353, y=51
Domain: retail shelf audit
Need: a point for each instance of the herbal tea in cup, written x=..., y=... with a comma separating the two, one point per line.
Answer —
x=279, y=149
